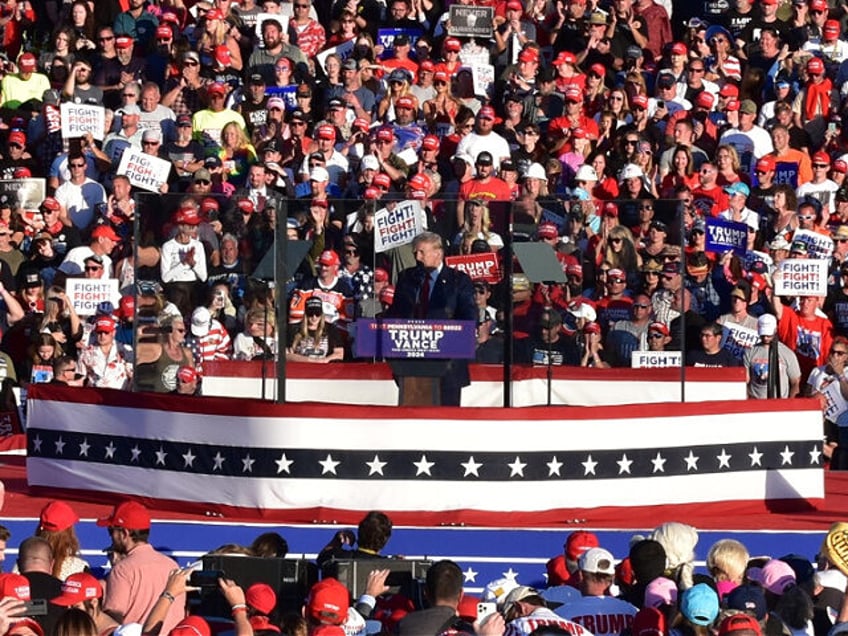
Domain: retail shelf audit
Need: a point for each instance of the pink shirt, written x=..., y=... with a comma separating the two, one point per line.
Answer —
x=135, y=584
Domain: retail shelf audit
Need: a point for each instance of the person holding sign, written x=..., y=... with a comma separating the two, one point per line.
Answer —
x=432, y=291
x=804, y=331
x=830, y=384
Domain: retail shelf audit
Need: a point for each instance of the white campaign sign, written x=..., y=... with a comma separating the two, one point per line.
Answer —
x=80, y=119
x=737, y=339
x=87, y=293
x=818, y=245
x=801, y=277
x=143, y=170
x=654, y=359
x=398, y=226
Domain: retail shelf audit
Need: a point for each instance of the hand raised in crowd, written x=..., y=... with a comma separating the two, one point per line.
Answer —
x=233, y=594
x=491, y=625
x=376, y=584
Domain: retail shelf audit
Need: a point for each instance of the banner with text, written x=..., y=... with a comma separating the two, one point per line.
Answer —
x=723, y=236
x=24, y=194
x=87, y=293
x=654, y=359
x=431, y=339
x=386, y=38
x=801, y=277
x=80, y=119
x=477, y=266
x=737, y=339
x=398, y=226
x=144, y=171
x=818, y=245
x=470, y=21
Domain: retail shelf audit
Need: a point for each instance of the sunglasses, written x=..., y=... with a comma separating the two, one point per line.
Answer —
x=108, y=39
x=191, y=63
x=655, y=336
x=669, y=276
x=77, y=165
x=313, y=314
x=616, y=240
x=203, y=181
x=821, y=165
x=18, y=146
x=640, y=306
x=93, y=268
x=696, y=70
x=149, y=143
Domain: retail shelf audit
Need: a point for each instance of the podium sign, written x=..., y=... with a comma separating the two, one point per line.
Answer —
x=416, y=339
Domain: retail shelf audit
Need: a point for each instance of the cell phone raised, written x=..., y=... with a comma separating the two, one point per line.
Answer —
x=35, y=607
x=485, y=609
x=205, y=578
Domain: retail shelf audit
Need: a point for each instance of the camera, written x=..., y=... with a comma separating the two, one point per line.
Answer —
x=205, y=578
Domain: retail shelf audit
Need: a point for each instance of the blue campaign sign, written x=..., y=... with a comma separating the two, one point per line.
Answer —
x=286, y=93
x=723, y=236
x=426, y=339
x=386, y=37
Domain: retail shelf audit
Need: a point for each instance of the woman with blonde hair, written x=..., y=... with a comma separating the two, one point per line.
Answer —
x=315, y=340
x=727, y=560
x=157, y=363
x=61, y=321
x=644, y=158
x=237, y=154
x=215, y=33
x=619, y=250
x=618, y=104
x=56, y=526
x=729, y=167
x=478, y=223
x=399, y=81
x=258, y=341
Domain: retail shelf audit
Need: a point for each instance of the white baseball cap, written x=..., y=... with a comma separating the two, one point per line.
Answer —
x=597, y=561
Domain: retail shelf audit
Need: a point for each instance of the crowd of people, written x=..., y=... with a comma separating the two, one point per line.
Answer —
x=654, y=590
x=614, y=133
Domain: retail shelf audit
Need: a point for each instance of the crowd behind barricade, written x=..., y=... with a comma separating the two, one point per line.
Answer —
x=674, y=157
x=653, y=590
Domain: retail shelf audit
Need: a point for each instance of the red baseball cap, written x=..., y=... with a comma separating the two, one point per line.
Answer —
x=104, y=324
x=51, y=204
x=78, y=588
x=208, y=205
x=381, y=275
x=453, y=44
x=639, y=100
x=732, y=105
x=371, y=193
x=216, y=88
x=678, y=48
x=440, y=76
x=187, y=374
x=385, y=134
x=831, y=27
x=123, y=42
x=766, y=163
x=57, y=516
x=328, y=602
x=729, y=90
x=426, y=67
x=105, y=231
x=486, y=112
x=430, y=142
x=214, y=14
x=840, y=166
x=610, y=209
x=246, y=205
x=329, y=257
x=261, y=597
x=821, y=157
x=326, y=131
x=704, y=99
x=126, y=308
x=187, y=215
x=406, y=101
x=815, y=66
x=27, y=62
x=17, y=137
x=739, y=622
x=163, y=32
x=564, y=57
x=578, y=542
x=129, y=515
x=21, y=172
x=14, y=585
x=528, y=55
x=420, y=184
x=598, y=69
x=816, y=5
x=573, y=94
x=659, y=327
x=192, y=626
x=382, y=179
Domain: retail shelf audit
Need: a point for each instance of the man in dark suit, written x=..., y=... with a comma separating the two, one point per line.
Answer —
x=431, y=291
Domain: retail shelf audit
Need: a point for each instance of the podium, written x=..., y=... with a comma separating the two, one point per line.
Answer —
x=419, y=381
x=420, y=353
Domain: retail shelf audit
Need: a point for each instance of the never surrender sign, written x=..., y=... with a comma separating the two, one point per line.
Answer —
x=80, y=119
x=724, y=236
x=477, y=266
x=398, y=226
x=144, y=171
x=801, y=277
x=428, y=339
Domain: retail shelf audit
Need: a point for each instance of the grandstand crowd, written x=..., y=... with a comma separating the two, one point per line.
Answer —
x=617, y=134
x=653, y=590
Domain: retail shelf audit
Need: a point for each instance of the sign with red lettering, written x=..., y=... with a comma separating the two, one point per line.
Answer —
x=477, y=266
x=397, y=224
x=144, y=171
x=80, y=119
x=801, y=277
x=87, y=293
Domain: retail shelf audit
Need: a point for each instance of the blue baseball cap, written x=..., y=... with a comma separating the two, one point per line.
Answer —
x=737, y=188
